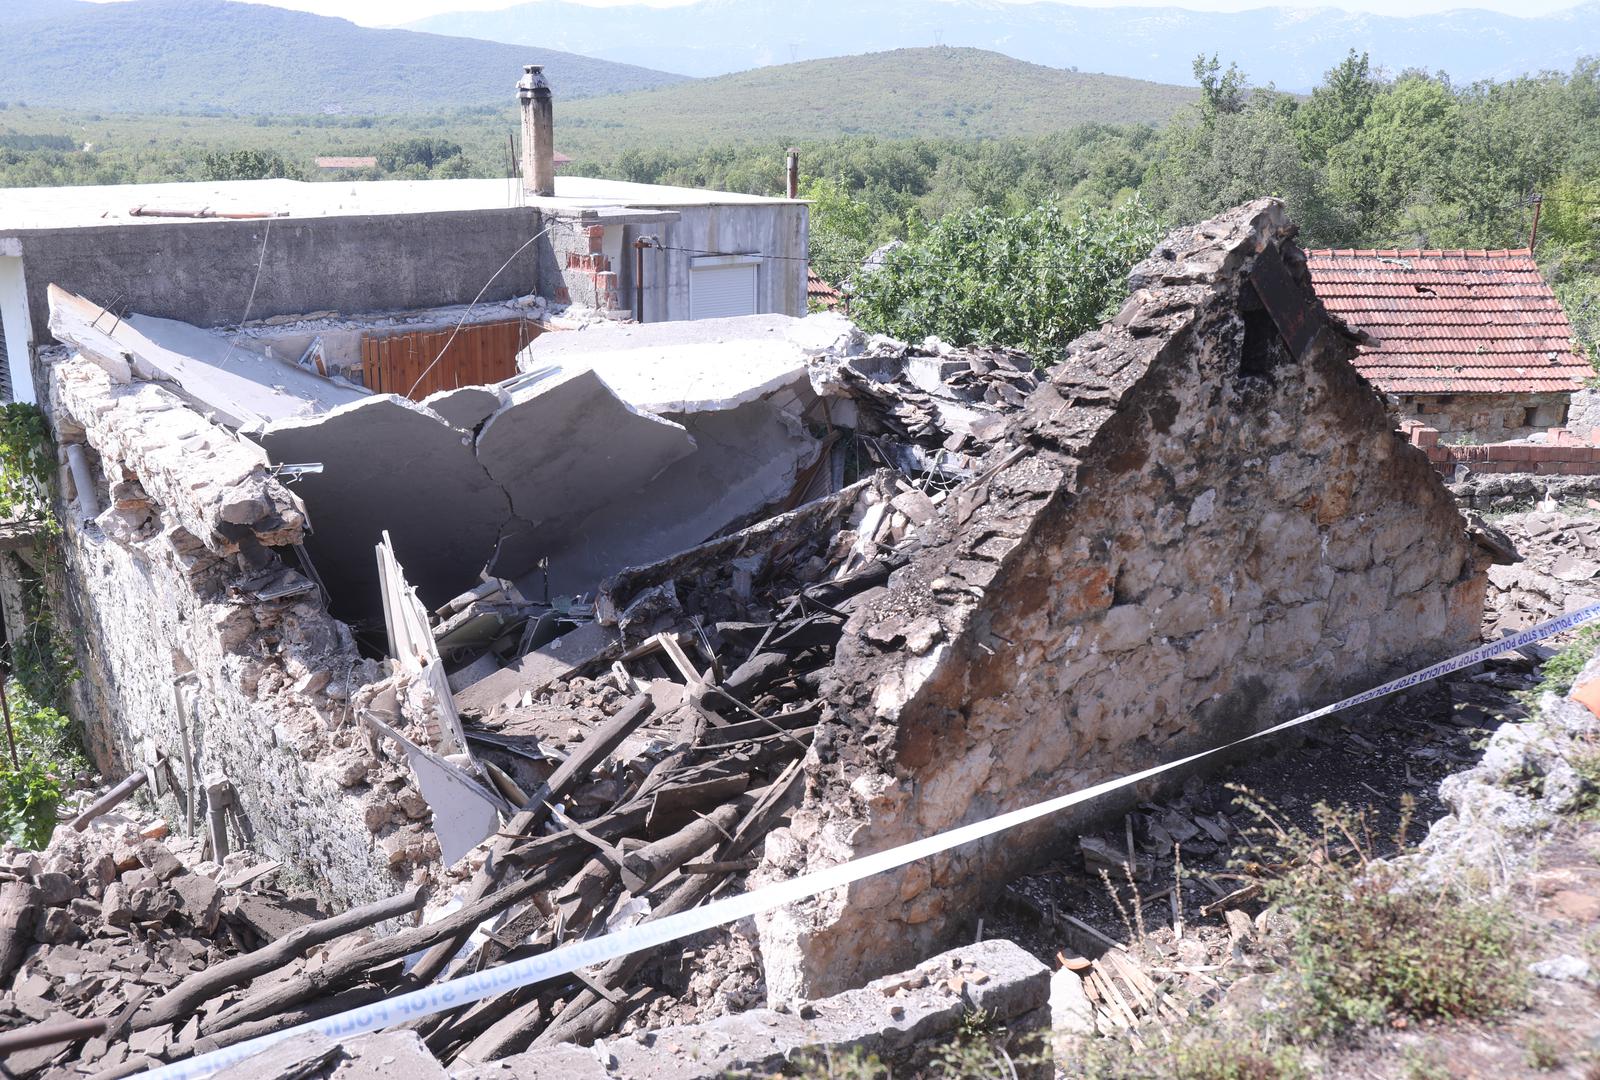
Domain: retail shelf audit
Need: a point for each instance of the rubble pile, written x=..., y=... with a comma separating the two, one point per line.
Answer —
x=102, y=923
x=1559, y=571
x=930, y=408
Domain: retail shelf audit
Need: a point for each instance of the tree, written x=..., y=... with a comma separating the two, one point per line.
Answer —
x=1221, y=92
x=843, y=230
x=1338, y=107
x=247, y=165
x=1032, y=281
x=424, y=152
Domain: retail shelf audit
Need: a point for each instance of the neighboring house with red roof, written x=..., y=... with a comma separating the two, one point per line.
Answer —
x=347, y=162
x=820, y=296
x=1469, y=342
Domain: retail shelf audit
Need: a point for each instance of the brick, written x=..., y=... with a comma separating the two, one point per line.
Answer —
x=597, y=238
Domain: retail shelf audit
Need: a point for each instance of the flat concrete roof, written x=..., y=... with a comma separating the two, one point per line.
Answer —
x=89, y=207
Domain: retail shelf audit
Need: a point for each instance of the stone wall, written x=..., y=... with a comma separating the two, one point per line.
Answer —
x=1196, y=533
x=1487, y=417
x=179, y=580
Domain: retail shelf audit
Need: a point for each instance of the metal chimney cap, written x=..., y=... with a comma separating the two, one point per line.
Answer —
x=532, y=80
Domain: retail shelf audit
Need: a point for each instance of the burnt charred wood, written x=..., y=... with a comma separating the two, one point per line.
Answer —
x=757, y=674
x=642, y=869
x=352, y=966
x=204, y=985
x=579, y=764
x=589, y=1015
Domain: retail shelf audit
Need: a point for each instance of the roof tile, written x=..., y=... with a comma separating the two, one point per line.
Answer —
x=1451, y=321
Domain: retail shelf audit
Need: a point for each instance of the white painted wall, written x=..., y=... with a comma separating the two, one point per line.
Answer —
x=17, y=325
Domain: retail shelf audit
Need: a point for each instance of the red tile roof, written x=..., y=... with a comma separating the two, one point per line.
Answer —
x=1451, y=322
x=819, y=290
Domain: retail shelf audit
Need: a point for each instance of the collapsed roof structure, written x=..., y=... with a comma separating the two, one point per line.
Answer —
x=678, y=603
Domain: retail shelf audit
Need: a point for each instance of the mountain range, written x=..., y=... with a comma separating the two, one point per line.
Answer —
x=940, y=92
x=1289, y=47
x=205, y=55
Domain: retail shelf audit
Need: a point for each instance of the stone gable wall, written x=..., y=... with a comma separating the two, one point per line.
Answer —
x=1195, y=535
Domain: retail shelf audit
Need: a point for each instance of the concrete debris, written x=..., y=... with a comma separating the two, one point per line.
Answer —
x=240, y=388
x=120, y=916
x=1559, y=569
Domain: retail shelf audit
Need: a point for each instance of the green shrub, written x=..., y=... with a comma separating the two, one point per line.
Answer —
x=1032, y=281
x=1562, y=669
x=1371, y=946
x=47, y=757
x=1205, y=1051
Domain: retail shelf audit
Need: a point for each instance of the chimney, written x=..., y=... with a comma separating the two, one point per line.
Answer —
x=791, y=168
x=538, y=132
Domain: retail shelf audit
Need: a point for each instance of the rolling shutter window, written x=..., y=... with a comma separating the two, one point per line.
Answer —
x=722, y=285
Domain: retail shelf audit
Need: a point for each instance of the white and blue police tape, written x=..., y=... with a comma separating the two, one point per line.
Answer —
x=567, y=958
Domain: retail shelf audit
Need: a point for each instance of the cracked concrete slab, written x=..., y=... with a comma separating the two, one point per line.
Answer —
x=566, y=447
x=239, y=388
x=390, y=464
x=700, y=365
x=747, y=458
x=466, y=407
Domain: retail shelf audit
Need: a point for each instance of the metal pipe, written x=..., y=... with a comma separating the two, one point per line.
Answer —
x=47, y=1034
x=1533, y=234
x=791, y=167
x=639, y=246
x=110, y=799
x=83, y=480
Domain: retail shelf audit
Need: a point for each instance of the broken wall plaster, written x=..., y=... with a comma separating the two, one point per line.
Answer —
x=1171, y=553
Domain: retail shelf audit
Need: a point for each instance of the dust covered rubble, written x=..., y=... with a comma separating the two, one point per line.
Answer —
x=103, y=921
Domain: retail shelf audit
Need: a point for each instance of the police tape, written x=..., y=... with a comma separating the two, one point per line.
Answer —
x=568, y=958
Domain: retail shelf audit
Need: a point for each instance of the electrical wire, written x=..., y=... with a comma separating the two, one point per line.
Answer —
x=465, y=314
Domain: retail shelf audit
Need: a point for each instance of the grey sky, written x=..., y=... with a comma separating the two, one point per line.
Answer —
x=391, y=12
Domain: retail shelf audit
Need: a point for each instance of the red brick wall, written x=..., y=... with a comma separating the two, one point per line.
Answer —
x=1564, y=455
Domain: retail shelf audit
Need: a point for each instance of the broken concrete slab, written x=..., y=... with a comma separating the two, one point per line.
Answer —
x=565, y=447
x=747, y=458
x=240, y=388
x=699, y=365
x=390, y=464
x=466, y=407
x=540, y=667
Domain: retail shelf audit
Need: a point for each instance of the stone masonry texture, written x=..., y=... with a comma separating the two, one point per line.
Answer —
x=184, y=593
x=1196, y=529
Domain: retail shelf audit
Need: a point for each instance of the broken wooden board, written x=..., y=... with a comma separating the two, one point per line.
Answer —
x=538, y=669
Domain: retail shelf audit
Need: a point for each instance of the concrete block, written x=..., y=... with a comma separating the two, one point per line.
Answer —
x=466, y=407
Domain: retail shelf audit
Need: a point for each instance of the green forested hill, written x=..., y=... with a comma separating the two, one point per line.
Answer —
x=212, y=55
x=931, y=92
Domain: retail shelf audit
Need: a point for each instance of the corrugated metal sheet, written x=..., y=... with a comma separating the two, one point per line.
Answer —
x=1451, y=321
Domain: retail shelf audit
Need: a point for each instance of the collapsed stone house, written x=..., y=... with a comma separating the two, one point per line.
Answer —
x=828, y=593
